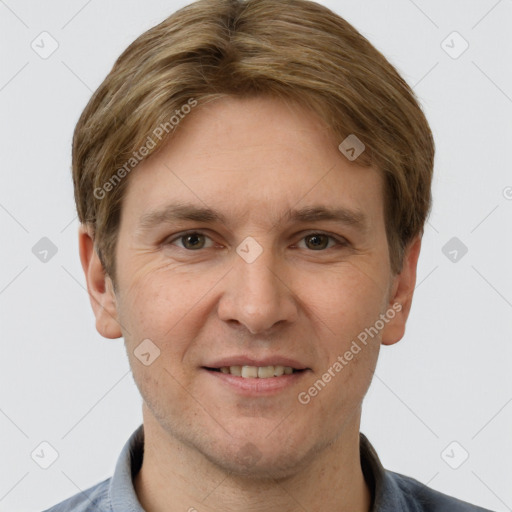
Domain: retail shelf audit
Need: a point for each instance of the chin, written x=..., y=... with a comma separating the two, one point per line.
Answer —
x=248, y=460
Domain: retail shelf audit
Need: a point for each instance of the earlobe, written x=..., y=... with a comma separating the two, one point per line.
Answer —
x=99, y=286
x=401, y=295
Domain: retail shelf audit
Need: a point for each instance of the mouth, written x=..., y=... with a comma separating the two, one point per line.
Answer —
x=256, y=372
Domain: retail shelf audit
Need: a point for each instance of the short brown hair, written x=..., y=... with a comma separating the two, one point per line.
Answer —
x=290, y=49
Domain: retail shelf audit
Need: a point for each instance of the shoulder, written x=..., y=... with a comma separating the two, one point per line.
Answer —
x=94, y=499
x=420, y=498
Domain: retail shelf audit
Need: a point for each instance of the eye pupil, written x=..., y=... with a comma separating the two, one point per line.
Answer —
x=315, y=244
x=192, y=236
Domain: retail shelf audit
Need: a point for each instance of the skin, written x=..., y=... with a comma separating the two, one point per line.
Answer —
x=207, y=446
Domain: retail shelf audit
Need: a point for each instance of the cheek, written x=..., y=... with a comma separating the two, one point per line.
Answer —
x=167, y=306
x=152, y=308
x=346, y=299
x=349, y=303
x=151, y=297
x=165, y=391
x=145, y=309
x=332, y=399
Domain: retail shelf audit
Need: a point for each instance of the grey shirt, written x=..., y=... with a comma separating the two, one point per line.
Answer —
x=391, y=492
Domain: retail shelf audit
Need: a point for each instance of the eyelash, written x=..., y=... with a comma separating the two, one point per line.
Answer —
x=341, y=242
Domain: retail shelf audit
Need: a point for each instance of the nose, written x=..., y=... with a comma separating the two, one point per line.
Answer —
x=257, y=295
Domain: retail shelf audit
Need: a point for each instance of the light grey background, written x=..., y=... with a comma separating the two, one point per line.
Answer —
x=448, y=380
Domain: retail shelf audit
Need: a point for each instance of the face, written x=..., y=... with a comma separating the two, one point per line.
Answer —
x=287, y=268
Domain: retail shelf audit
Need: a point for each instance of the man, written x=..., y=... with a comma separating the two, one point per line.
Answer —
x=252, y=179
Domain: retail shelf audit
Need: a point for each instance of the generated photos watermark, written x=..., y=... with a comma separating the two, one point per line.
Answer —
x=305, y=397
x=144, y=150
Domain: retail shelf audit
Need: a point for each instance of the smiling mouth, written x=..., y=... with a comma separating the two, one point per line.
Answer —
x=256, y=372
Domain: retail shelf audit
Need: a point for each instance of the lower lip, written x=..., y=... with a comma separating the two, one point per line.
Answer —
x=257, y=386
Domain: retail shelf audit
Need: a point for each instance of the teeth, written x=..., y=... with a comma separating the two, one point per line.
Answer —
x=261, y=372
x=278, y=371
x=234, y=370
x=249, y=371
x=264, y=372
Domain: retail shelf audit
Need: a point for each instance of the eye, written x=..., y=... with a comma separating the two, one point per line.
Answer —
x=196, y=240
x=320, y=241
x=192, y=240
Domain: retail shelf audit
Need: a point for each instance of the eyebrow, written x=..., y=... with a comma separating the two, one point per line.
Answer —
x=186, y=211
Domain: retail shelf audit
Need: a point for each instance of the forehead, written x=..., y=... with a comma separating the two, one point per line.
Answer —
x=252, y=158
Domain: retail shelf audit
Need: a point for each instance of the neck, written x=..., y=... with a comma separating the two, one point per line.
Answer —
x=177, y=474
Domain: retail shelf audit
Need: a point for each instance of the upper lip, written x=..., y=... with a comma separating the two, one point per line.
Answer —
x=253, y=361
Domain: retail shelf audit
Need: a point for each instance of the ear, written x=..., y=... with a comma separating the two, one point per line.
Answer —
x=99, y=286
x=402, y=290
